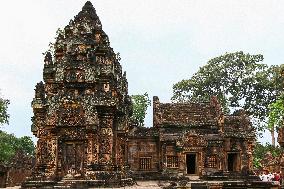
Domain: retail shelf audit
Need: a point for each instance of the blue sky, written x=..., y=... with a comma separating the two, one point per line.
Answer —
x=160, y=41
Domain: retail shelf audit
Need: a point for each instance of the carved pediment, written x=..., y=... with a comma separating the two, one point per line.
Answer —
x=191, y=139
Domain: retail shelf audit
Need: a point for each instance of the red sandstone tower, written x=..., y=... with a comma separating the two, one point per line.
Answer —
x=81, y=110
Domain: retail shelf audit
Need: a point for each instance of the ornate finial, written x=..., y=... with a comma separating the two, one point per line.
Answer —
x=88, y=6
x=88, y=13
x=156, y=100
x=118, y=56
x=48, y=58
x=39, y=90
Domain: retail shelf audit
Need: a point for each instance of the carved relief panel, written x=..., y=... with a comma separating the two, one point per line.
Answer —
x=121, y=151
x=106, y=139
x=189, y=140
x=92, y=148
x=71, y=113
x=46, y=151
x=75, y=75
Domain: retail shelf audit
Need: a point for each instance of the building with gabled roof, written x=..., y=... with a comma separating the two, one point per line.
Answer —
x=194, y=139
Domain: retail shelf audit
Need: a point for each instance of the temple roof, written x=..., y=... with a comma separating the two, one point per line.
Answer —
x=85, y=28
x=143, y=132
x=238, y=125
x=187, y=114
x=183, y=114
x=88, y=12
x=82, y=59
x=82, y=40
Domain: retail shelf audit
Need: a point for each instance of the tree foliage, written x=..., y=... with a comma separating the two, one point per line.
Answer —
x=261, y=149
x=239, y=80
x=276, y=113
x=140, y=105
x=276, y=109
x=10, y=145
x=4, y=116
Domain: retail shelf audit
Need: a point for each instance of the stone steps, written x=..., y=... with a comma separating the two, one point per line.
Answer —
x=38, y=184
x=77, y=183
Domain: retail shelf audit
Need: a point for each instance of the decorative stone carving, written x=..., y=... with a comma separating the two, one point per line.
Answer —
x=76, y=105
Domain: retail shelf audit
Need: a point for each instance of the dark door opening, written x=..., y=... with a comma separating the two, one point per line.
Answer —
x=73, y=157
x=191, y=163
x=232, y=161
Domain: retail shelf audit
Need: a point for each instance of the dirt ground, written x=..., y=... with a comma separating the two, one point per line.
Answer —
x=145, y=185
x=140, y=185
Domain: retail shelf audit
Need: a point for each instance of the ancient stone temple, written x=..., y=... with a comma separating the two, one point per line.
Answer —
x=194, y=139
x=82, y=121
x=81, y=110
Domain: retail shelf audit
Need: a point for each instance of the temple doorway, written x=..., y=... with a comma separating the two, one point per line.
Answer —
x=73, y=158
x=191, y=163
x=232, y=161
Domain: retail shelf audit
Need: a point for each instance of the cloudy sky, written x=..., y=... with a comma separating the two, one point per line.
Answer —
x=160, y=41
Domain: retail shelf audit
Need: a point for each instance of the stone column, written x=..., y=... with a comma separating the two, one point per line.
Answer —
x=105, y=140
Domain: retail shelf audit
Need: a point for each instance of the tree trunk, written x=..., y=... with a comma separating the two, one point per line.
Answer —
x=272, y=136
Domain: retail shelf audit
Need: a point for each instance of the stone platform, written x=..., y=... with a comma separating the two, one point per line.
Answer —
x=80, y=184
x=154, y=184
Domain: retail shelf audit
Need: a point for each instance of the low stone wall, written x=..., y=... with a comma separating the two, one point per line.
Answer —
x=16, y=172
x=15, y=176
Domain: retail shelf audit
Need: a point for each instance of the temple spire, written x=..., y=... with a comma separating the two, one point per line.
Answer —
x=88, y=11
x=88, y=6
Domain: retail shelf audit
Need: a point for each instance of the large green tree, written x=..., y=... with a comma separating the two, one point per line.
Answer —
x=239, y=80
x=140, y=105
x=10, y=145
